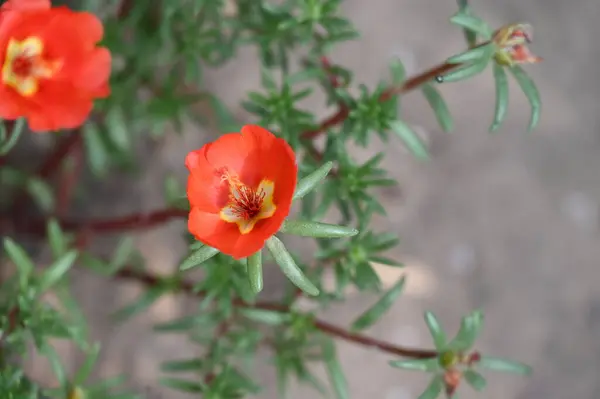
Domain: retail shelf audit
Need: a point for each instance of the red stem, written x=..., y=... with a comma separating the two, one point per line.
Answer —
x=69, y=179
x=187, y=287
x=408, y=85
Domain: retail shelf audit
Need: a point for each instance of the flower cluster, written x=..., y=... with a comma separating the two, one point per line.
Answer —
x=52, y=68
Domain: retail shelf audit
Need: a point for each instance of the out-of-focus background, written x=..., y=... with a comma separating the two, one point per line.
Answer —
x=506, y=222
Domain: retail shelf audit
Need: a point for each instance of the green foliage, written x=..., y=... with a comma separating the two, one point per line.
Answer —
x=160, y=52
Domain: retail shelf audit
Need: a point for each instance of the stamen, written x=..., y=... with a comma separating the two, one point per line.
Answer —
x=245, y=202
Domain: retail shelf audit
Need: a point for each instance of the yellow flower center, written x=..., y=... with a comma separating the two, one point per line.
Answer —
x=24, y=66
x=246, y=206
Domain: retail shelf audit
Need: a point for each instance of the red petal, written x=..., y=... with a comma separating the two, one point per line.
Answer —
x=94, y=72
x=274, y=160
x=59, y=115
x=204, y=188
x=228, y=151
x=11, y=105
x=211, y=230
x=23, y=5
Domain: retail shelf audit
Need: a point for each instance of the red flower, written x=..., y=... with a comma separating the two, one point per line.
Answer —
x=240, y=190
x=52, y=69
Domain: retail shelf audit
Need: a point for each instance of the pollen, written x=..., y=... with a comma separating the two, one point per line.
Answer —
x=24, y=66
x=247, y=205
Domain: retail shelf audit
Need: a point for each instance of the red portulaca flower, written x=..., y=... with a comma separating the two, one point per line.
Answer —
x=52, y=69
x=240, y=190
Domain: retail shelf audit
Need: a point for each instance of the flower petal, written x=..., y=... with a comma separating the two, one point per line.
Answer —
x=228, y=152
x=25, y=5
x=94, y=73
x=59, y=115
x=204, y=187
x=211, y=230
x=11, y=104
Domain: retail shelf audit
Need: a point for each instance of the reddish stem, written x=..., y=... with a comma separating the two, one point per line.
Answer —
x=410, y=84
x=364, y=340
x=69, y=180
x=125, y=9
x=333, y=79
x=56, y=157
x=136, y=221
x=52, y=162
x=187, y=287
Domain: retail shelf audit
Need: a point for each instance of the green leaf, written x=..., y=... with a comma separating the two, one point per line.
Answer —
x=269, y=317
x=470, y=327
x=86, y=369
x=472, y=23
x=22, y=261
x=15, y=134
x=289, y=267
x=427, y=365
x=255, y=272
x=195, y=364
x=182, y=385
x=226, y=122
x=49, y=352
x=198, y=257
x=311, y=181
x=142, y=303
x=371, y=315
x=334, y=370
x=57, y=270
x=410, y=139
x=531, y=92
x=122, y=254
x=385, y=261
x=470, y=37
x=118, y=131
x=304, y=75
x=397, y=71
x=434, y=389
x=182, y=324
x=475, y=380
x=95, y=148
x=58, y=241
x=466, y=71
x=504, y=365
x=475, y=54
x=41, y=192
x=501, y=82
x=316, y=229
x=439, y=106
x=436, y=331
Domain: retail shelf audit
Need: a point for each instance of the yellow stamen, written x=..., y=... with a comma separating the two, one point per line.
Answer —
x=246, y=205
x=24, y=66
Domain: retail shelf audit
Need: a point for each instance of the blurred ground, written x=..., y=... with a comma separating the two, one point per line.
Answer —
x=506, y=222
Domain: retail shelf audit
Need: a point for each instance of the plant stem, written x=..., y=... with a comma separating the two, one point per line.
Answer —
x=363, y=340
x=187, y=287
x=47, y=168
x=138, y=221
x=408, y=85
x=68, y=180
